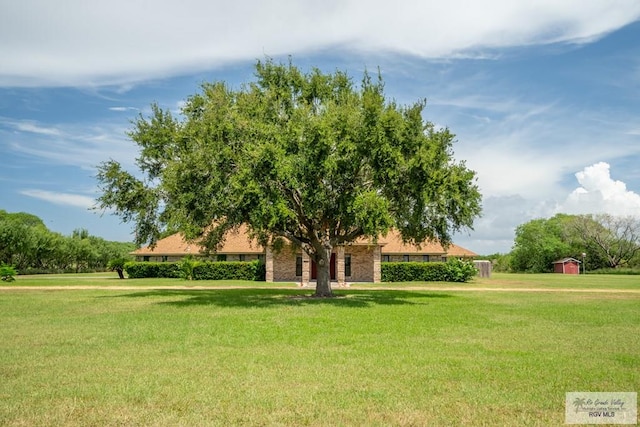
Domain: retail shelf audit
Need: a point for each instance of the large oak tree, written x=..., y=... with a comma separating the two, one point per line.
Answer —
x=308, y=157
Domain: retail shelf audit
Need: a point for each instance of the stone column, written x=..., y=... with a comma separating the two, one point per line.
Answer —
x=306, y=269
x=377, y=257
x=340, y=265
x=268, y=261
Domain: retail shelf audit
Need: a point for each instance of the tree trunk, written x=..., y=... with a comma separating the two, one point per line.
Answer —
x=120, y=274
x=323, y=284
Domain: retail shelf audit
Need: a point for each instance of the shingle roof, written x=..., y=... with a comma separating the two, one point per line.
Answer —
x=236, y=242
x=392, y=244
x=239, y=243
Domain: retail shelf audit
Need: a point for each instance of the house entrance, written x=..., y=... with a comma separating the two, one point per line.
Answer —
x=332, y=268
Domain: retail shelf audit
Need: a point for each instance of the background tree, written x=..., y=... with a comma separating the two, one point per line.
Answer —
x=500, y=263
x=117, y=265
x=614, y=238
x=537, y=244
x=540, y=242
x=26, y=243
x=311, y=158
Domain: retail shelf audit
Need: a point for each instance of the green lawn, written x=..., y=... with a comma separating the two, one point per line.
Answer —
x=497, y=280
x=275, y=357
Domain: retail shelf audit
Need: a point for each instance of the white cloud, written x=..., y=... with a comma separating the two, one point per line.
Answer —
x=120, y=109
x=599, y=193
x=120, y=41
x=495, y=230
x=69, y=144
x=57, y=198
x=526, y=146
x=29, y=126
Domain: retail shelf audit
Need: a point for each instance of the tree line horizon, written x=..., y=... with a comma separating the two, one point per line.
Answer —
x=608, y=242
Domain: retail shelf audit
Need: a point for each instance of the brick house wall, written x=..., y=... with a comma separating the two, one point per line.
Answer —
x=284, y=265
x=362, y=263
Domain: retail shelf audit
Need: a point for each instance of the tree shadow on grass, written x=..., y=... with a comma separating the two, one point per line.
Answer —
x=252, y=298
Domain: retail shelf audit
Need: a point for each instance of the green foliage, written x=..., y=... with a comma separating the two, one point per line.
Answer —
x=310, y=157
x=607, y=241
x=142, y=270
x=540, y=242
x=230, y=270
x=186, y=267
x=7, y=273
x=413, y=271
x=500, y=263
x=537, y=244
x=117, y=263
x=613, y=241
x=459, y=270
x=198, y=270
x=27, y=244
x=452, y=271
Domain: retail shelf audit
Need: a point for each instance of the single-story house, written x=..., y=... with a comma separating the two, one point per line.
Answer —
x=356, y=262
x=566, y=266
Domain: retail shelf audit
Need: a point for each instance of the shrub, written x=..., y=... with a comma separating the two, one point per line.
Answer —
x=459, y=270
x=198, y=270
x=413, y=271
x=187, y=266
x=453, y=271
x=141, y=270
x=229, y=270
x=7, y=273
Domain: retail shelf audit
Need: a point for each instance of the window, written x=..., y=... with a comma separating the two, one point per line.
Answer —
x=444, y=259
x=386, y=258
x=165, y=258
x=145, y=258
x=405, y=258
x=221, y=257
x=261, y=257
x=425, y=258
x=242, y=257
x=298, y=265
x=347, y=265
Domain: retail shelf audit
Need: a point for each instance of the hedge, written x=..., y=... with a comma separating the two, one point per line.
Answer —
x=229, y=270
x=208, y=270
x=453, y=271
x=142, y=270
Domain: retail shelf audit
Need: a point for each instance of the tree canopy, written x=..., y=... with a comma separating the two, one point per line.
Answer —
x=615, y=239
x=607, y=240
x=27, y=244
x=309, y=157
x=540, y=242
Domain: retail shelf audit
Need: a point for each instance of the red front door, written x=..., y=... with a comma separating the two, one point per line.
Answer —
x=332, y=268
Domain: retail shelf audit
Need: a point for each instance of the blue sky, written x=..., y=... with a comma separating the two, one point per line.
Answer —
x=544, y=99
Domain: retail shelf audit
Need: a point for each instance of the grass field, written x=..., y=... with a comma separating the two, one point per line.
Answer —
x=264, y=356
x=498, y=280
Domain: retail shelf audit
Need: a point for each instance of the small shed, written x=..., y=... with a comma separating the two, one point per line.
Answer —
x=566, y=266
